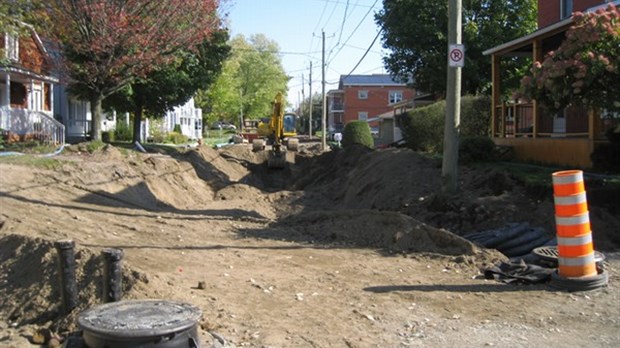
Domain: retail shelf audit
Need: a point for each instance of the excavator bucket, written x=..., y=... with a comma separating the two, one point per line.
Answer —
x=276, y=160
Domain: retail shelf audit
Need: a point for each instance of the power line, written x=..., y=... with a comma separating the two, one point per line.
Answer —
x=365, y=53
x=354, y=30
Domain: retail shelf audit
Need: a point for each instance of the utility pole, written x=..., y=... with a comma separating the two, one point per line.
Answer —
x=303, y=97
x=324, y=112
x=310, y=103
x=449, y=169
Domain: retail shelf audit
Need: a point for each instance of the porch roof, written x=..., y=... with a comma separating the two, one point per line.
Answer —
x=524, y=45
x=23, y=73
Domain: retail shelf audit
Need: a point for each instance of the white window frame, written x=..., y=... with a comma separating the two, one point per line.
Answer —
x=362, y=94
x=11, y=42
x=362, y=115
x=392, y=99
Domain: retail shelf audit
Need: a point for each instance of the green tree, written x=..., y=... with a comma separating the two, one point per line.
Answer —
x=415, y=32
x=250, y=79
x=173, y=84
x=317, y=113
x=107, y=45
x=585, y=69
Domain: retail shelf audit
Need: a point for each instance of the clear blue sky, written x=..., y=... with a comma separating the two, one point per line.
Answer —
x=296, y=26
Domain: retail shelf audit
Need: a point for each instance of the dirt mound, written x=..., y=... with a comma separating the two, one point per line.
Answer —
x=29, y=266
x=375, y=229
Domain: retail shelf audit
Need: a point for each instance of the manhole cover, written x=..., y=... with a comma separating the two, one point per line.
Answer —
x=550, y=253
x=140, y=323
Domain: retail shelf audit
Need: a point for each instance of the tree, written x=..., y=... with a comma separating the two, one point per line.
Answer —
x=13, y=15
x=415, y=31
x=585, y=69
x=250, y=79
x=109, y=44
x=173, y=84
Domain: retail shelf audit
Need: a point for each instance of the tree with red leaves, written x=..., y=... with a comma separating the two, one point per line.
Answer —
x=107, y=44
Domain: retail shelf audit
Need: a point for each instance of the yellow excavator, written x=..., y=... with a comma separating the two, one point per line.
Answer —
x=277, y=131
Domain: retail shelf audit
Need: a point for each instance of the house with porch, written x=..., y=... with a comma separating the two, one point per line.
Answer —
x=566, y=138
x=26, y=90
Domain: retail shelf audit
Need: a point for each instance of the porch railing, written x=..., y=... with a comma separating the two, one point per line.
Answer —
x=22, y=125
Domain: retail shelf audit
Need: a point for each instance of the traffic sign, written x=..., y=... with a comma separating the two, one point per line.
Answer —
x=456, y=55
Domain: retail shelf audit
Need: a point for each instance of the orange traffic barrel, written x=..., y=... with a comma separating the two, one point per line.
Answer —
x=572, y=220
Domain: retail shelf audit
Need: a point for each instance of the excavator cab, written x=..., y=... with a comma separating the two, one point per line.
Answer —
x=278, y=131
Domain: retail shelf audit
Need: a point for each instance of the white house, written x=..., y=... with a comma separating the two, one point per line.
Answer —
x=188, y=117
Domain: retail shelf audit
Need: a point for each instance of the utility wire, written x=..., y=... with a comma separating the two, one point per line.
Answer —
x=353, y=32
x=365, y=53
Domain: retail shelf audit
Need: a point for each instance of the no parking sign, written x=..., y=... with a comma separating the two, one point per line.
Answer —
x=456, y=55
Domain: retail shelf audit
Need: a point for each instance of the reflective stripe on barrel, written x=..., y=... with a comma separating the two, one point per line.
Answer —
x=571, y=205
x=567, y=182
x=572, y=220
x=572, y=226
x=584, y=266
x=575, y=247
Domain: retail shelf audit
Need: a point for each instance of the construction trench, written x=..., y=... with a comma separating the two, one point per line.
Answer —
x=344, y=248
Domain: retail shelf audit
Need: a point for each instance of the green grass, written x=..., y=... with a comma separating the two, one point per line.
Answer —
x=34, y=161
x=31, y=147
x=537, y=178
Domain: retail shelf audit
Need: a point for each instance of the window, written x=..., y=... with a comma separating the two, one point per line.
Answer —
x=566, y=8
x=362, y=115
x=12, y=47
x=362, y=94
x=395, y=97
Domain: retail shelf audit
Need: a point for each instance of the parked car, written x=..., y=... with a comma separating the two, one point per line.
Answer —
x=223, y=125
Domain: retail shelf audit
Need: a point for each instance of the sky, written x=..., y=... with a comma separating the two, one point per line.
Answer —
x=297, y=26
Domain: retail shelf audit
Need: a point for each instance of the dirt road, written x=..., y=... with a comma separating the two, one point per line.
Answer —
x=339, y=250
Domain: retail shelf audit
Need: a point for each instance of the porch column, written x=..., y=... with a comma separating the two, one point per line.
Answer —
x=496, y=91
x=591, y=124
x=51, y=92
x=7, y=91
x=31, y=95
x=536, y=57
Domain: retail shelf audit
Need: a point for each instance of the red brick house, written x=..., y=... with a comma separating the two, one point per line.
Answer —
x=26, y=90
x=567, y=138
x=364, y=97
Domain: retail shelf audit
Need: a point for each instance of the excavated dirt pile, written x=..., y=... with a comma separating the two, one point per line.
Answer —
x=298, y=257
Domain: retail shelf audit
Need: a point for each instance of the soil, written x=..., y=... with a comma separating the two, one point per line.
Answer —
x=351, y=248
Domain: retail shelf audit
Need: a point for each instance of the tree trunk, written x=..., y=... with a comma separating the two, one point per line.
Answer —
x=137, y=123
x=95, y=112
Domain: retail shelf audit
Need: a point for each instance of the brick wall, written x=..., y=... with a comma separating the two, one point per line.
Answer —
x=376, y=103
x=549, y=10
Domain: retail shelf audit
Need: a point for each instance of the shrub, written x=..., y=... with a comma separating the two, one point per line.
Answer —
x=606, y=157
x=177, y=128
x=475, y=116
x=123, y=132
x=476, y=149
x=423, y=127
x=357, y=132
x=107, y=137
x=176, y=138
